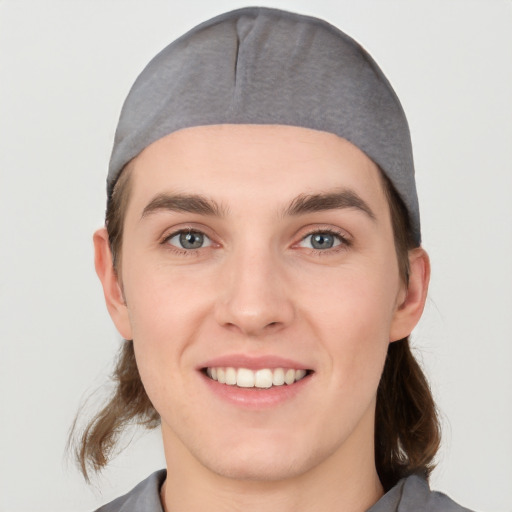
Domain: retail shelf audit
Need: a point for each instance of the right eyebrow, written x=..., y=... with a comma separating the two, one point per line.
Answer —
x=190, y=203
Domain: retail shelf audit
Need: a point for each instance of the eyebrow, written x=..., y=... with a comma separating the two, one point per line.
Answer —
x=310, y=203
x=189, y=203
x=300, y=205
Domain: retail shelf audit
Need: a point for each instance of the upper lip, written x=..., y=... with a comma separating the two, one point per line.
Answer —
x=253, y=362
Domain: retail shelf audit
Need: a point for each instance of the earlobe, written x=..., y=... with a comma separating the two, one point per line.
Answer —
x=410, y=309
x=111, y=287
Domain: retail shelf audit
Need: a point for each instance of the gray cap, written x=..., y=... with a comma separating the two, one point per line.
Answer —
x=267, y=66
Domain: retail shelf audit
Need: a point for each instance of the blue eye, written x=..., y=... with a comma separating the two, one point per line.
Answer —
x=321, y=240
x=189, y=240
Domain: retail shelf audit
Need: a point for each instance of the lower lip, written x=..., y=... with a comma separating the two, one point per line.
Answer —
x=256, y=398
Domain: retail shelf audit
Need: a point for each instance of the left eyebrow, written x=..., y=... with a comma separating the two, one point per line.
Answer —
x=309, y=203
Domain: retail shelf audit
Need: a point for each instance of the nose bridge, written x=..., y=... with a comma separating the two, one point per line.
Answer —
x=253, y=295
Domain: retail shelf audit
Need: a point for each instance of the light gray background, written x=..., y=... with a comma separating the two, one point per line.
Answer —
x=65, y=67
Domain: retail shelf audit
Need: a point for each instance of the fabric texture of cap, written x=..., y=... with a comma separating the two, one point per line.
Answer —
x=267, y=66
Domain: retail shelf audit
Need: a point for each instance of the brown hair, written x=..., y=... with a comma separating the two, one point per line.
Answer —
x=407, y=428
x=407, y=432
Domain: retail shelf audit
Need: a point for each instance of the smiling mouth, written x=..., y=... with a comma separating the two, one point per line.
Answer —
x=264, y=378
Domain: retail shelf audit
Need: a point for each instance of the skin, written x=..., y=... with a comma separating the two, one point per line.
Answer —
x=258, y=288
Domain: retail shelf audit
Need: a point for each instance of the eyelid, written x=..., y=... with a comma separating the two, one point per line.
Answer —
x=311, y=229
x=337, y=240
x=184, y=227
x=174, y=231
x=206, y=238
x=344, y=238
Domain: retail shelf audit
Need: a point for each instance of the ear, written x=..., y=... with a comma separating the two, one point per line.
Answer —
x=112, y=290
x=412, y=300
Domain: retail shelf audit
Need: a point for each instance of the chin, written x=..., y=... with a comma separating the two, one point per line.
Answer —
x=262, y=468
x=264, y=461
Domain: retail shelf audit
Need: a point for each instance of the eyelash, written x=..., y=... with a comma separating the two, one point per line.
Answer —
x=182, y=251
x=344, y=242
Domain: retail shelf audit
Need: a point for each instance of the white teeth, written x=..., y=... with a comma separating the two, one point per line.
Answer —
x=230, y=376
x=289, y=377
x=299, y=374
x=244, y=378
x=264, y=378
x=278, y=377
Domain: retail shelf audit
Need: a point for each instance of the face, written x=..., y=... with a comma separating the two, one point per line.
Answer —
x=261, y=288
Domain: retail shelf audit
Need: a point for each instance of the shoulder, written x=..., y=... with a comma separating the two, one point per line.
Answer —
x=433, y=501
x=413, y=494
x=145, y=497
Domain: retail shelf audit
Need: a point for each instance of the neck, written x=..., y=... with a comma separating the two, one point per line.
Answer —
x=347, y=480
x=301, y=494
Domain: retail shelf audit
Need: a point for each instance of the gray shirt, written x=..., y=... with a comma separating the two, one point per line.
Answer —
x=411, y=494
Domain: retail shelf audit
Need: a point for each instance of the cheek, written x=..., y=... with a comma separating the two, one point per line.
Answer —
x=168, y=310
x=351, y=314
x=162, y=301
x=353, y=298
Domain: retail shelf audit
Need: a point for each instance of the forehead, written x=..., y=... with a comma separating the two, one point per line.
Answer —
x=248, y=162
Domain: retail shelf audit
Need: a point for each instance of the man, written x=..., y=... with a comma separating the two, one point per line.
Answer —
x=262, y=256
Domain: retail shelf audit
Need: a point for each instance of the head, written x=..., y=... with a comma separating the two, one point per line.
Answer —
x=267, y=244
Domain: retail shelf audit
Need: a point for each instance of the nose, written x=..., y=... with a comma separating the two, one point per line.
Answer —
x=254, y=296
